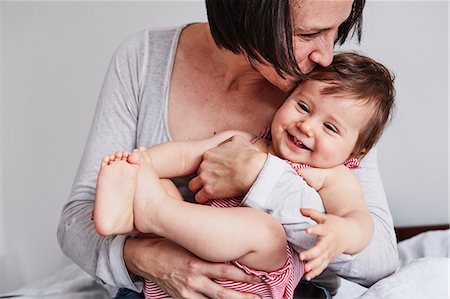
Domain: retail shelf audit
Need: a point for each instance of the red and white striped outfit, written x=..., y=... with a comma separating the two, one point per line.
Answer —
x=278, y=284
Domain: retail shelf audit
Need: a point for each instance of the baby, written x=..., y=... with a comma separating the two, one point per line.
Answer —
x=332, y=119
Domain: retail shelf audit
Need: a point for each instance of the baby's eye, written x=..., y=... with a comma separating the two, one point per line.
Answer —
x=303, y=106
x=331, y=128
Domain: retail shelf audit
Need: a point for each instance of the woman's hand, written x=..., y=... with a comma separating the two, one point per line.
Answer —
x=228, y=170
x=329, y=243
x=179, y=273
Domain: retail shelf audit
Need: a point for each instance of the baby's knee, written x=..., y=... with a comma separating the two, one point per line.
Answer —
x=273, y=239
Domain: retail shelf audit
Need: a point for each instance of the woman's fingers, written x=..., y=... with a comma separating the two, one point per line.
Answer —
x=214, y=290
x=227, y=271
x=228, y=170
x=210, y=271
x=205, y=186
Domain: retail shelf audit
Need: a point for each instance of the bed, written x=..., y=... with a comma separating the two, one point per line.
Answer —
x=423, y=272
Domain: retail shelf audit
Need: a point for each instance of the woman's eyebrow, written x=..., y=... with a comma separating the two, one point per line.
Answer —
x=311, y=29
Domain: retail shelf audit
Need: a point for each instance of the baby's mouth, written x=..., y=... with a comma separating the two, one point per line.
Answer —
x=298, y=143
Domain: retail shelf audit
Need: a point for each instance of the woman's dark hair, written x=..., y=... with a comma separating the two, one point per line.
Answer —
x=262, y=29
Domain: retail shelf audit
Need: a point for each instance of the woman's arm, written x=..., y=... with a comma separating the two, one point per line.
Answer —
x=109, y=259
x=114, y=127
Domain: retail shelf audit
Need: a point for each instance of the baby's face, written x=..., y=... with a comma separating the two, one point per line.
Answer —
x=315, y=129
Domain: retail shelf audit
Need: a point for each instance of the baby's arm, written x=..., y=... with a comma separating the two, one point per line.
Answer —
x=121, y=176
x=348, y=226
x=180, y=158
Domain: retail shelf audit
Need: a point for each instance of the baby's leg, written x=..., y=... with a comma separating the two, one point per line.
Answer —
x=117, y=209
x=151, y=191
x=116, y=185
x=252, y=237
x=214, y=234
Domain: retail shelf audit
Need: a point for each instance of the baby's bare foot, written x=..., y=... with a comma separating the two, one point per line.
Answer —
x=116, y=185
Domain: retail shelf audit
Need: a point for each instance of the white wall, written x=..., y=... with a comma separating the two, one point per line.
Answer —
x=54, y=58
x=2, y=222
x=411, y=38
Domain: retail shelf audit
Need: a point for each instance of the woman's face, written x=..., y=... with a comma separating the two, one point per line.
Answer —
x=315, y=25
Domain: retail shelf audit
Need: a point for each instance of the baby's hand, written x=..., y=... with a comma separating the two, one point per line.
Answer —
x=328, y=244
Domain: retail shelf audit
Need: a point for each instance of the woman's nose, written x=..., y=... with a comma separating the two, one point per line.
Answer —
x=323, y=54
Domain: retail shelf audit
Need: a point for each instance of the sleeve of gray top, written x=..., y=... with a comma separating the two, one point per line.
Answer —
x=278, y=183
x=113, y=128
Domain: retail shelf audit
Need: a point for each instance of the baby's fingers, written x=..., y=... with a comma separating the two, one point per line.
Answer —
x=314, y=215
x=314, y=268
x=312, y=253
x=317, y=230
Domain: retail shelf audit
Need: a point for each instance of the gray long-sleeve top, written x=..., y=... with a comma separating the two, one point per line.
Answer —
x=132, y=111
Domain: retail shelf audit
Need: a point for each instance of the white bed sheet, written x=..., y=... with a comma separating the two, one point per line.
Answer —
x=69, y=283
x=423, y=271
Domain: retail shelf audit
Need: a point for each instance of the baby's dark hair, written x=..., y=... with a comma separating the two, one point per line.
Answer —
x=364, y=79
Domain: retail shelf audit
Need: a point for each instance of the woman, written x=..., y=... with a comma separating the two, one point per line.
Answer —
x=188, y=83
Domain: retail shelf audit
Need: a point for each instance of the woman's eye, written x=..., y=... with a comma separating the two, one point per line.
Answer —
x=309, y=36
x=331, y=128
x=303, y=107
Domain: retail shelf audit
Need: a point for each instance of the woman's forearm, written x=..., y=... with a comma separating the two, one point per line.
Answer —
x=113, y=128
x=101, y=257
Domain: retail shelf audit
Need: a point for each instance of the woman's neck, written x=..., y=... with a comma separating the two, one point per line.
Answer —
x=233, y=70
